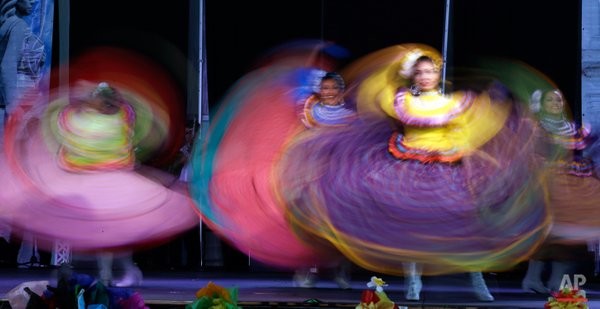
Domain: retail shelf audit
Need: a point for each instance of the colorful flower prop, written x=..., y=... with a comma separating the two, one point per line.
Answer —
x=213, y=296
x=567, y=299
x=375, y=299
x=74, y=290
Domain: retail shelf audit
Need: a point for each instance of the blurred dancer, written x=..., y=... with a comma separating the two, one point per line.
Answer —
x=106, y=109
x=74, y=161
x=425, y=93
x=327, y=108
x=574, y=192
x=234, y=177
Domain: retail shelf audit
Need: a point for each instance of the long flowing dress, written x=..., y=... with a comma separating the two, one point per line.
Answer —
x=571, y=179
x=70, y=175
x=233, y=177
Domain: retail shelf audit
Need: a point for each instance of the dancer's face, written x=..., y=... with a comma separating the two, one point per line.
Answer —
x=330, y=92
x=553, y=103
x=103, y=106
x=426, y=76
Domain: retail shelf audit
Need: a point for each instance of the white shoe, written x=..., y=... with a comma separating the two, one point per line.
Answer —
x=105, y=276
x=412, y=281
x=304, y=279
x=105, y=262
x=413, y=288
x=133, y=277
x=342, y=275
x=532, y=282
x=342, y=283
x=480, y=288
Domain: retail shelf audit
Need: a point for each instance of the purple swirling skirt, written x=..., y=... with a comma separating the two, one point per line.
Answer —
x=486, y=212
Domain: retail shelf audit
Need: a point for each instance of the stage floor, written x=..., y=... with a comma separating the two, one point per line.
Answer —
x=268, y=289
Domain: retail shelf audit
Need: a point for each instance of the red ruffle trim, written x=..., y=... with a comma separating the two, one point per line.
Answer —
x=420, y=155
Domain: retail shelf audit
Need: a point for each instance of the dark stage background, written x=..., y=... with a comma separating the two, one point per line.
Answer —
x=545, y=34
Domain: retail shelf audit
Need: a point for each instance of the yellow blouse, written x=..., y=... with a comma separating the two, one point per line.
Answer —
x=460, y=122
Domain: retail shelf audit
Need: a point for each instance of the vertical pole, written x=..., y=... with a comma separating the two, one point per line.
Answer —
x=61, y=253
x=64, y=21
x=197, y=82
x=202, y=81
x=445, y=47
x=195, y=78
